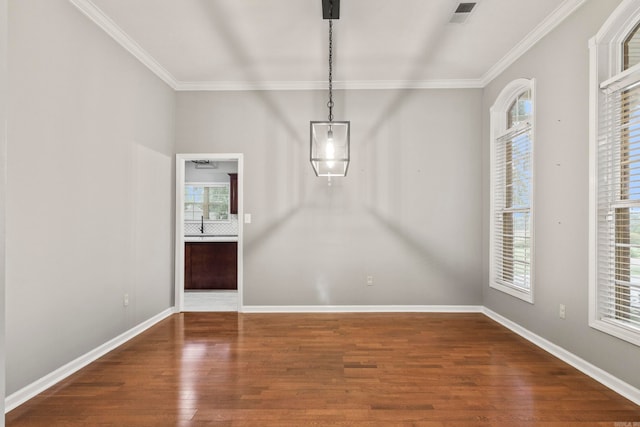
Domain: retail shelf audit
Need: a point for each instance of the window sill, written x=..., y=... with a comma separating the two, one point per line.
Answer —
x=524, y=295
x=617, y=329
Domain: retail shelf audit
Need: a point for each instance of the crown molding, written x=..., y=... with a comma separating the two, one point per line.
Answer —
x=556, y=17
x=318, y=85
x=120, y=36
x=111, y=28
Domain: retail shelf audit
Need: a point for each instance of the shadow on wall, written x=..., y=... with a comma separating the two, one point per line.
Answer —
x=415, y=74
x=239, y=52
x=371, y=128
x=431, y=256
x=372, y=132
x=269, y=230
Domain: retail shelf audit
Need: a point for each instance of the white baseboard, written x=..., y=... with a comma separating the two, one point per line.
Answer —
x=362, y=309
x=19, y=397
x=582, y=365
x=608, y=380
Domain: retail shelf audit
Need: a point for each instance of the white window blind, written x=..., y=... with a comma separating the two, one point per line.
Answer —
x=512, y=208
x=618, y=205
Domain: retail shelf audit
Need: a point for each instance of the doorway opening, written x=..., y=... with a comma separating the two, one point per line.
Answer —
x=209, y=232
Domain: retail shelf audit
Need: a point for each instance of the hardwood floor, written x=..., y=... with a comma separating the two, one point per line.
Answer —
x=231, y=369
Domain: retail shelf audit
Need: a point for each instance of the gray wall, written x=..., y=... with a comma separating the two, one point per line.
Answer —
x=407, y=213
x=89, y=193
x=560, y=64
x=3, y=169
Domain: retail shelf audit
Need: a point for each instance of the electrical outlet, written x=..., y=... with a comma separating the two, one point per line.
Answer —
x=369, y=280
x=125, y=300
x=562, y=312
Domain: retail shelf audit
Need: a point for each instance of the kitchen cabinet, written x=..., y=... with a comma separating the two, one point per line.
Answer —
x=233, y=193
x=211, y=265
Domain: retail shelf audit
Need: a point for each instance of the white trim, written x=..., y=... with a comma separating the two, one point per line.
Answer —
x=363, y=309
x=603, y=377
x=181, y=159
x=608, y=380
x=4, y=112
x=613, y=32
x=611, y=327
x=340, y=85
x=94, y=13
x=620, y=23
x=498, y=123
x=19, y=397
x=593, y=182
x=179, y=235
x=605, y=71
x=120, y=36
x=112, y=29
x=556, y=17
x=621, y=80
x=508, y=95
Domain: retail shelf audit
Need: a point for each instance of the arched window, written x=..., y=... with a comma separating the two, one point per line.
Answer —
x=520, y=111
x=614, y=233
x=512, y=190
x=631, y=49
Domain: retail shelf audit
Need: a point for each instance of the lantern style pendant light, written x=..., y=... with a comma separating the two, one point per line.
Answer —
x=330, y=140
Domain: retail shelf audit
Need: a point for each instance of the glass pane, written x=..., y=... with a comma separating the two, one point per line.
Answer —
x=521, y=249
x=521, y=171
x=627, y=265
x=520, y=111
x=516, y=249
x=207, y=201
x=631, y=51
x=630, y=146
x=521, y=275
x=634, y=242
x=219, y=203
x=521, y=224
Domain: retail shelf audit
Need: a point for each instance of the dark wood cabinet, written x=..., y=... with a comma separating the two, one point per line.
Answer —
x=233, y=193
x=211, y=265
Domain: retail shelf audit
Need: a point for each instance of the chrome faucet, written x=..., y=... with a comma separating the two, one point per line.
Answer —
x=202, y=224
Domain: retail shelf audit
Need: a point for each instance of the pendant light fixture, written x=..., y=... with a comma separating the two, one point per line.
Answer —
x=330, y=139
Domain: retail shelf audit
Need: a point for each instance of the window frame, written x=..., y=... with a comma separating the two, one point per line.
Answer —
x=209, y=184
x=606, y=65
x=498, y=129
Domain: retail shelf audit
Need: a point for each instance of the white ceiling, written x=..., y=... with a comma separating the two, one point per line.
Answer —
x=236, y=44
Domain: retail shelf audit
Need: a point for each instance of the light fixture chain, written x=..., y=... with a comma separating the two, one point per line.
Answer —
x=330, y=103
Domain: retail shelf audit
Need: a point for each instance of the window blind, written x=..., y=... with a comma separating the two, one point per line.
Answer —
x=618, y=204
x=512, y=209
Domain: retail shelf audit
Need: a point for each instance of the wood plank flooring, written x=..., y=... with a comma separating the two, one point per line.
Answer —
x=410, y=369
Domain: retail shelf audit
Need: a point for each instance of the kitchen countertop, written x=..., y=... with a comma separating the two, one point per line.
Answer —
x=210, y=238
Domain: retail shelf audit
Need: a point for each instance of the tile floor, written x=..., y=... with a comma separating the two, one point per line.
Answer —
x=211, y=301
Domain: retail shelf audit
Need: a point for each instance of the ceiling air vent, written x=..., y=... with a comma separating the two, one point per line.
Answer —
x=462, y=13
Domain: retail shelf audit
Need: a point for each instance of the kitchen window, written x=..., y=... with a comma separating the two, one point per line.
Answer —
x=206, y=202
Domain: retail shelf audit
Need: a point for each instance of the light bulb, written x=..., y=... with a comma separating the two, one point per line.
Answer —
x=329, y=148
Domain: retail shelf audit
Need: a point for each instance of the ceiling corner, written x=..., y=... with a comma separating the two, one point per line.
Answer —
x=96, y=15
x=554, y=19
